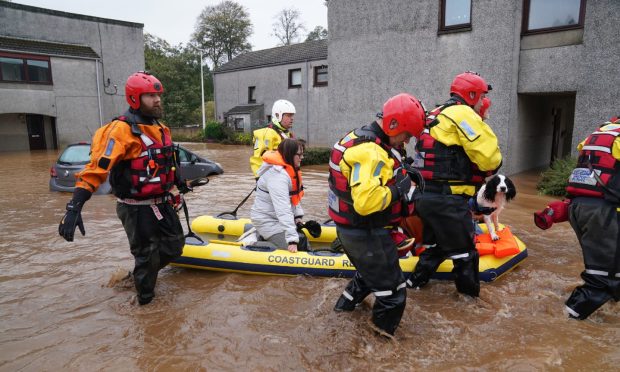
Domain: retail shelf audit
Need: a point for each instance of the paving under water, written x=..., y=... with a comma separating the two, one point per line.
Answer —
x=56, y=312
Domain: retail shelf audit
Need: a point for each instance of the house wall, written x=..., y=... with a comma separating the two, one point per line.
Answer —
x=73, y=97
x=380, y=48
x=311, y=103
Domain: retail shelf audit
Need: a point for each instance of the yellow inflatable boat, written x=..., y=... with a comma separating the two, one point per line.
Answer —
x=231, y=256
x=226, y=229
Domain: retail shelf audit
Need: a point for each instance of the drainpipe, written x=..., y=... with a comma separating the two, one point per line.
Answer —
x=307, y=107
x=214, y=95
x=98, y=93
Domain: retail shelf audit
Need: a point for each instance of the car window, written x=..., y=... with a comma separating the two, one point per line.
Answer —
x=183, y=155
x=75, y=154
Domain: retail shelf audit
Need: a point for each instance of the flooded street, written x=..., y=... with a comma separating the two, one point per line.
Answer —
x=58, y=314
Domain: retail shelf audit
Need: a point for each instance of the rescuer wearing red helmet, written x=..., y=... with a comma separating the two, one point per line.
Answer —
x=454, y=154
x=369, y=191
x=594, y=190
x=137, y=153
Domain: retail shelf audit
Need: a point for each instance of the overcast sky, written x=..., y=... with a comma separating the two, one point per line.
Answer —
x=174, y=21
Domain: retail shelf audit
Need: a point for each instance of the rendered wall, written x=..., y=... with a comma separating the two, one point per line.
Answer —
x=73, y=97
x=311, y=103
x=380, y=48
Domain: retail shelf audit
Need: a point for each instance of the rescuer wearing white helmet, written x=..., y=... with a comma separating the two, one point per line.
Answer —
x=269, y=137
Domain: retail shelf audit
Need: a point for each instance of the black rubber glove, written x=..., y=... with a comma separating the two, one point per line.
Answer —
x=415, y=176
x=401, y=188
x=314, y=228
x=73, y=216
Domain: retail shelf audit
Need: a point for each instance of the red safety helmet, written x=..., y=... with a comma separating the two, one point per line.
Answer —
x=403, y=113
x=139, y=83
x=486, y=103
x=469, y=86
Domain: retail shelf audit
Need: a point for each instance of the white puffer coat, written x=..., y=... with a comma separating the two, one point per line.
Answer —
x=272, y=212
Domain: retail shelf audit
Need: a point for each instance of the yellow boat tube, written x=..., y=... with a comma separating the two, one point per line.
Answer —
x=225, y=228
x=234, y=257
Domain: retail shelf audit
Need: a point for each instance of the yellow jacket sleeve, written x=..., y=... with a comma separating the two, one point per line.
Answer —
x=460, y=125
x=368, y=168
x=265, y=139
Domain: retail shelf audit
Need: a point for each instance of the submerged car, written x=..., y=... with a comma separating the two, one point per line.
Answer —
x=75, y=157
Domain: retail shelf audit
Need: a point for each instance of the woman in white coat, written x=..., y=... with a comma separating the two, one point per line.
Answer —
x=277, y=205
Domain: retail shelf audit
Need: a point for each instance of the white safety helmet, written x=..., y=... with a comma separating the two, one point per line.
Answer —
x=280, y=107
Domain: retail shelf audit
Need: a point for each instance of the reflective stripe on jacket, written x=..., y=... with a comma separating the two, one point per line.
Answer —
x=362, y=167
x=115, y=145
x=457, y=151
x=266, y=139
x=599, y=153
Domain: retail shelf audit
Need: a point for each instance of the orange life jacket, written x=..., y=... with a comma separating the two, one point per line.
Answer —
x=297, y=192
x=149, y=175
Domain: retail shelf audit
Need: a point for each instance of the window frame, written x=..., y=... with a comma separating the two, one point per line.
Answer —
x=24, y=66
x=252, y=94
x=443, y=29
x=290, y=78
x=316, y=73
x=526, y=20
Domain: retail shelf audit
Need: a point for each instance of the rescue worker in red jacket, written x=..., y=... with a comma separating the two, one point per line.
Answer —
x=454, y=154
x=594, y=187
x=137, y=153
x=369, y=193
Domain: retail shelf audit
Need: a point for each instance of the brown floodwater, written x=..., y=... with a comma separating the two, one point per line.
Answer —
x=56, y=312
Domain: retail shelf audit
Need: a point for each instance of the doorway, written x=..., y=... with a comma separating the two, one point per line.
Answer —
x=545, y=131
x=36, y=132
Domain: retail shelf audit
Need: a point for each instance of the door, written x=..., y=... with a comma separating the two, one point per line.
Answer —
x=36, y=132
x=558, y=134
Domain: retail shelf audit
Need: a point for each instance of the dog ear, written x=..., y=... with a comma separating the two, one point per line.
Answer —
x=490, y=190
x=512, y=190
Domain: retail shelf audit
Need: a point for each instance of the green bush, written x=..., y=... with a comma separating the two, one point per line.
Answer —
x=243, y=138
x=316, y=155
x=553, y=181
x=214, y=131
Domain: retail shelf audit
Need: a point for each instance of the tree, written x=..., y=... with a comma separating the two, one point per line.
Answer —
x=288, y=27
x=178, y=68
x=222, y=32
x=319, y=33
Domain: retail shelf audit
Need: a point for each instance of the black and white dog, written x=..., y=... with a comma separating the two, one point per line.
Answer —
x=491, y=199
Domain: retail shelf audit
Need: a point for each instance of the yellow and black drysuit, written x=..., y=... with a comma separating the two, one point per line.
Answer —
x=369, y=192
x=593, y=214
x=454, y=154
x=267, y=139
x=138, y=154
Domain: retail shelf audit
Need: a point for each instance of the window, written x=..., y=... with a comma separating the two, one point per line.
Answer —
x=238, y=124
x=320, y=76
x=294, y=78
x=455, y=15
x=552, y=15
x=24, y=68
x=251, y=94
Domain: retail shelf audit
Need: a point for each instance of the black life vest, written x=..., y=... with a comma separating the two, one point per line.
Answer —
x=596, y=156
x=340, y=201
x=440, y=164
x=150, y=175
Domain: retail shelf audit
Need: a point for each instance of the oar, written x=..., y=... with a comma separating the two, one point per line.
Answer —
x=233, y=214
